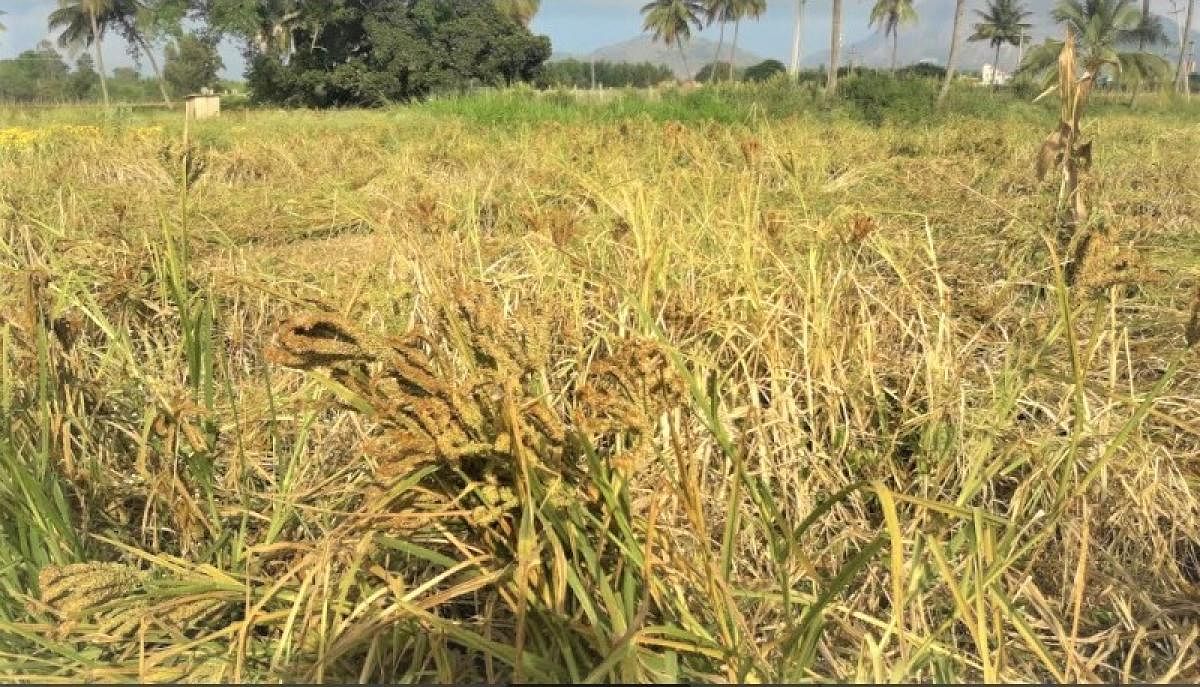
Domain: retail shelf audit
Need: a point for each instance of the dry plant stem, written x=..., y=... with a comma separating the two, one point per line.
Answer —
x=1063, y=144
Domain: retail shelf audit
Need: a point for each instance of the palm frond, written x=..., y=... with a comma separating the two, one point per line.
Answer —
x=1041, y=61
x=1144, y=67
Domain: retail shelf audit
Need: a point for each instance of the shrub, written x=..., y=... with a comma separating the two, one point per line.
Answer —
x=764, y=70
x=723, y=70
x=875, y=97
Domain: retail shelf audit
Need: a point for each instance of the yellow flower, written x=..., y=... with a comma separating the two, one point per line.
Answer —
x=19, y=137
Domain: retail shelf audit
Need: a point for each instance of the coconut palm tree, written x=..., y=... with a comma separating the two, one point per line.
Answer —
x=743, y=9
x=124, y=17
x=522, y=11
x=74, y=23
x=1002, y=22
x=672, y=21
x=835, y=47
x=1103, y=30
x=960, y=10
x=80, y=23
x=890, y=14
x=1150, y=31
x=721, y=12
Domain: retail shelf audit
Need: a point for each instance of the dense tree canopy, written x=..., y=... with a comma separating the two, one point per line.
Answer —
x=371, y=52
x=192, y=63
x=764, y=70
x=35, y=75
x=42, y=75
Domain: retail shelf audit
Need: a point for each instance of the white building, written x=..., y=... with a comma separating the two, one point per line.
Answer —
x=994, y=77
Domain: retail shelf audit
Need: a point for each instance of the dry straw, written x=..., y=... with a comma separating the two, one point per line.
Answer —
x=1063, y=147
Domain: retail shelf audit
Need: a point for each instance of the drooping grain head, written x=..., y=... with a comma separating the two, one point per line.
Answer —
x=74, y=591
x=313, y=341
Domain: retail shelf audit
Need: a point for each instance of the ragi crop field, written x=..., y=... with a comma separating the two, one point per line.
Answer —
x=428, y=394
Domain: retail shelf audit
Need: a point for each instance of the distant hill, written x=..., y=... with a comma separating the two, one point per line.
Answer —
x=699, y=52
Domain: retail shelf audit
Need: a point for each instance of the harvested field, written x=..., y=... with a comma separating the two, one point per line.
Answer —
x=405, y=396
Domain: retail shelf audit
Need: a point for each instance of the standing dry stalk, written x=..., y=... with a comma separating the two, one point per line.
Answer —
x=1063, y=146
x=1193, y=328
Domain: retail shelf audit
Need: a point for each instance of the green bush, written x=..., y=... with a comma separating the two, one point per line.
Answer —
x=725, y=72
x=875, y=97
x=1025, y=87
x=764, y=71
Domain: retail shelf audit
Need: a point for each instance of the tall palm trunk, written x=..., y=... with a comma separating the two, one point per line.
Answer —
x=1181, y=71
x=835, y=49
x=797, y=33
x=145, y=47
x=895, y=48
x=737, y=25
x=683, y=56
x=1145, y=17
x=996, y=69
x=99, y=49
x=712, y=76
x=952, y=61
x=162, y=83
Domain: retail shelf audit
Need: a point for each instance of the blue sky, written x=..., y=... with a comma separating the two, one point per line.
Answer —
x=575, y=26
x=581, y=26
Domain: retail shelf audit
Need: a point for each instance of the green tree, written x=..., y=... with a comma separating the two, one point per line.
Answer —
x=1150, y=32
x=1104, y=30
x=80, y=25
x=191, y=63
x=672, y=22
x=743, y=9
x=267, y=27
x=522, y=11
x=764, y=71
x=395, y=50
x=127, y=18
x=37, y=75
x=835, y=48
x=578, y=74
x=82, y=83
x=891, y=14
x=713, y=71
x=83, y=23
x=1002, y=22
